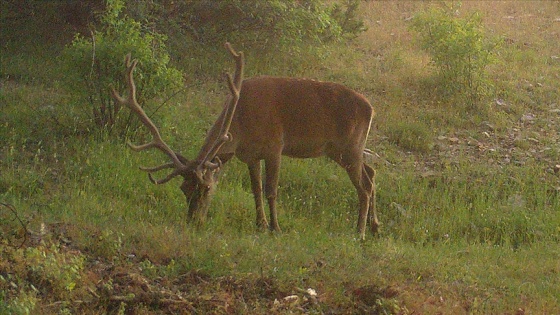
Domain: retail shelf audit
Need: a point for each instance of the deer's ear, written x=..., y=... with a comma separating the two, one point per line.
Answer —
x=216, y=161
x=206, y=176
x=209, y=177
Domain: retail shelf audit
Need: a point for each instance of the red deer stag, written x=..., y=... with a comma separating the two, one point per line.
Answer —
x=263, y=119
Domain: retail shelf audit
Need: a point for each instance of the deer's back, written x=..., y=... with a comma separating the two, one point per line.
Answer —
x=301, y=116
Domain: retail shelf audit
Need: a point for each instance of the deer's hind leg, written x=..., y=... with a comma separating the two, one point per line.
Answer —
x=368, y=176
x=352, y=162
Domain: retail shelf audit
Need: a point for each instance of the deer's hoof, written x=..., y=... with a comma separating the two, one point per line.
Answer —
x=262, y=226
x=375, y=227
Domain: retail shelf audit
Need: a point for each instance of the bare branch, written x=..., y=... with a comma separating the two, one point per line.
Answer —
x=16, y=217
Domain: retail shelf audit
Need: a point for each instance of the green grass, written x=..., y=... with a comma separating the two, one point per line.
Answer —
x=468, y=200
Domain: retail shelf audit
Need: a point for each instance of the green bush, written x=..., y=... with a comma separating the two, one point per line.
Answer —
x=346, y=15
x=459, y=51
x=94, y=64
x=272, y=24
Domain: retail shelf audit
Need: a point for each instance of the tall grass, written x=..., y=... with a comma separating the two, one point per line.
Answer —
x=505, y=207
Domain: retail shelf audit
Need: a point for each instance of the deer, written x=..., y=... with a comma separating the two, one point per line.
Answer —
x=263, y=119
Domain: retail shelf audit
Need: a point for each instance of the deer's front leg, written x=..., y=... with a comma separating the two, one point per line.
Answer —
x=271, y=189
x=256, y=186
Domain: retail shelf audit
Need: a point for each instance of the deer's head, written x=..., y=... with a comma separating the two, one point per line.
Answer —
x=200, y=175
x=198, y=188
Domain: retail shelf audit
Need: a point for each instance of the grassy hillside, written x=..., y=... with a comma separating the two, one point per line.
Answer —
x=469, y=197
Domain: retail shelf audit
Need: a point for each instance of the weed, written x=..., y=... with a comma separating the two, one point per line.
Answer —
x=53, y=270
x=35, y=272
x=414, y=136
x=22, y=304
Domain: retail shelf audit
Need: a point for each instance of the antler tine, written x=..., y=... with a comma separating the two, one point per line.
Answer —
x=157, y=141
x=167, y=178
x=157, y=168
x=239, y=63
x=231, y=104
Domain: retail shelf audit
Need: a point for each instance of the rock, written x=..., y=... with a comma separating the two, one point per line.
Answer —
x=528, y=117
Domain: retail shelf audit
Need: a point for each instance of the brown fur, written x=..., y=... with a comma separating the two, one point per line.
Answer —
x=299, y=118
x=263, y=119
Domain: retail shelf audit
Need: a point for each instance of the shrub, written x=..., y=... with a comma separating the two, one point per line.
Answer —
x=459, y=51
x=272, y=24
x=96, y=63
x=346, y=15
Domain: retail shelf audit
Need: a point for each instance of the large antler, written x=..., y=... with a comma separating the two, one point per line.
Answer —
x=231, y=104
x=157, y=141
